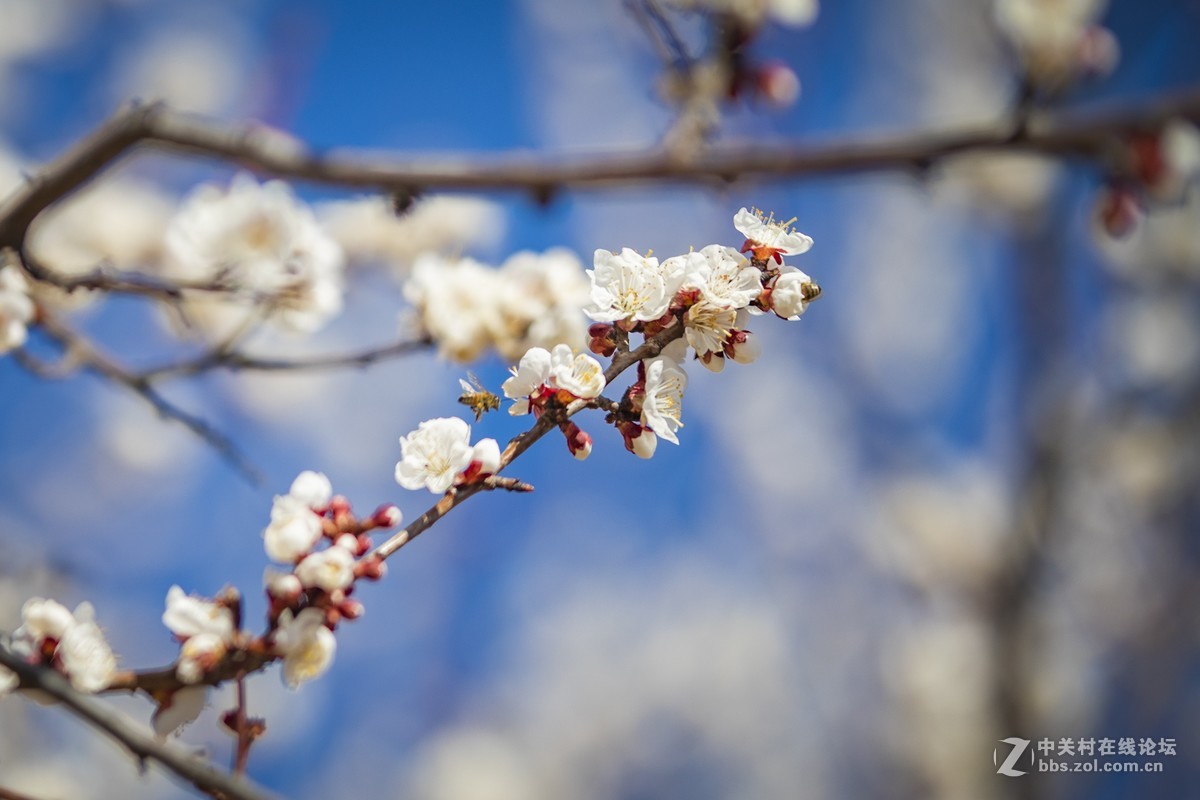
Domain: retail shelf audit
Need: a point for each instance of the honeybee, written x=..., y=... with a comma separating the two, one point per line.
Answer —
x=477, y=398
x=810, y=291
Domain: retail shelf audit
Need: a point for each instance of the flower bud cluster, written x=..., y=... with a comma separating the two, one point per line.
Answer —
x=72, y=644
x=1157, y=168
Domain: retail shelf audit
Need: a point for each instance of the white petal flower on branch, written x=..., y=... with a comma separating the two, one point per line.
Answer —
x=434, y=455
x=723, y=276
x=294, y=529
x=187, y=616
x=41, y=619
x=772, y=238
x=455, y=304
x=312, y=489
x=283, y=586
x=85, y=655
x=707, y=327
x=528, y=378
x=627, y=287
x=1058, y=41
x=662, y=404
x=265, y=243
x=306, y=644
x=197, y=655
x=331, y=569
x=182, y=707
x=16, y=309
x=579, y=374
x=486, y=453
x=795, y=13
x=790, y=293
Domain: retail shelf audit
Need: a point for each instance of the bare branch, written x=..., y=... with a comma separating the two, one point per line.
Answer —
x=143, y=746
x=235, y=361
x=79, y=351
x=1077, y=135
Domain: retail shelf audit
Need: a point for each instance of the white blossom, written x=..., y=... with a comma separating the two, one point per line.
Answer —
x=293, y=531
x=331, y=569
x=312, y=488
x=724, y=277
x=455, y=303
x=282, y=585
x=707, y=326
x=8, y=680
x=788, y=294
x=1057, y=40
x=197, y=655
x=306, y=644
x=540, y=300
x=263, y=241
x=527, y=378
x=579, y=374
x=84, y=653
x=795, y=13
x=187, y=616
x=628, y=287
x=182, y=707
x=486, y=453
x=41, y=619
x=16, y=308
x=766, y=232
x=434, y=454
x=645, y=443
x=662, y=404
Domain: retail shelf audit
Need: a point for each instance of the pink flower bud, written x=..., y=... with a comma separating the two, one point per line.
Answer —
x=1119, y=211
x=387, y=516
x=777, y=84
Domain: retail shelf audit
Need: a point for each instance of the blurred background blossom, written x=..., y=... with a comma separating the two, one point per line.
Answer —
x=955, y=503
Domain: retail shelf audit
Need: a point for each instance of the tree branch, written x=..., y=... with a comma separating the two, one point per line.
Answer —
x=142, y=746
x=271, y=152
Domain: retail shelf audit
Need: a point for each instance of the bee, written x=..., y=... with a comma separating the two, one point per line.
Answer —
x=476, y=398
x=810, y=291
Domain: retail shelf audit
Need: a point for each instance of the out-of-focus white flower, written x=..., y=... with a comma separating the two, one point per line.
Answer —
x=527, y=378
x=1058, y=40
x=187, y=616
x=331, y=569
x=41, y=619
x=312, y=488
x=182, y=707
x=369, y=229
x=8, y=680
x=579, y=374
x=261, y=240
x=294, y=529
x=85, y=656
x=486, y=454
x=434, y=455
x=628, y=287
x=16, y=308
x=796, y=13
x=723, y=276
x=306, y=644
x=197, y=655
x=455, y=301
x=768, y=237
x=283, y=586
x=540, y=300
x=663, y=401
x=789, y=295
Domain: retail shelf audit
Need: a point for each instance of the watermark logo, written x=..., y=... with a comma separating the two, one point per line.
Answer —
x=1019, y=746
x=1086, y=754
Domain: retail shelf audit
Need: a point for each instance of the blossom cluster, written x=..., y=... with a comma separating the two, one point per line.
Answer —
x=305, y=603
x=560, y=375
x=1058, y=41
x=532, y=299
x=73, y=644
x=16, y=308
x=265, y=246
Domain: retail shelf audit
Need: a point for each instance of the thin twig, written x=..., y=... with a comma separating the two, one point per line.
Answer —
x=141, y=745
x=1087, y=135
x=235, y=361
x=79, y=351
x=241, y=754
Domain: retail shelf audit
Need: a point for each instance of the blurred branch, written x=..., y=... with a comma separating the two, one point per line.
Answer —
x=105, y=278
x=235, y=361
x=79, y=353
x=1067, y=135
x=142, y=746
